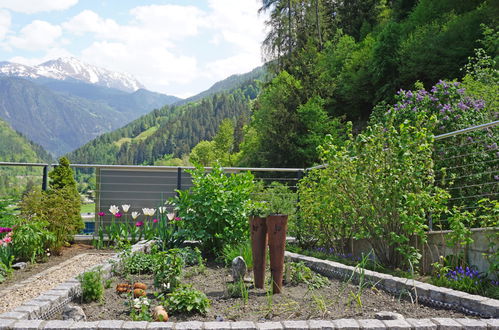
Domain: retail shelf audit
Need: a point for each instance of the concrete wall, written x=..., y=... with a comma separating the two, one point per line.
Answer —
x=436, y=247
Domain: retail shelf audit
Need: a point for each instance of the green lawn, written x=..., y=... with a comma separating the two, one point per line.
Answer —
x=88, y=208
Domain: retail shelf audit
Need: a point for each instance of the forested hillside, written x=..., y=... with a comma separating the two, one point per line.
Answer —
x=171, y=131
x=16, y=148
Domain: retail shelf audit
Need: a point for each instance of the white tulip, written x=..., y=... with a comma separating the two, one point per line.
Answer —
x=125, y=207
x=114, y=209
x=149, y=212
x=135, y=215
x=162, y=209
x=170, y=216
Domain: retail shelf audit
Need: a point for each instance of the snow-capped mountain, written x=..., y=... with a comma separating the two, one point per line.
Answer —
x=71, y=68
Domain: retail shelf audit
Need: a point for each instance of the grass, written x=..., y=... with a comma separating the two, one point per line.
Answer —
x=142, y=136
x=87, y=208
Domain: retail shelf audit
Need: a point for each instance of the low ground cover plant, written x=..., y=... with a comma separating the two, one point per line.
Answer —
x=92, y=286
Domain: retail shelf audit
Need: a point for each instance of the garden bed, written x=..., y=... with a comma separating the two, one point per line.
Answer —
x=297, y=302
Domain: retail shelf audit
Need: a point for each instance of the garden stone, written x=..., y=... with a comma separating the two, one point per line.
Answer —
x=75, y=313
x=238, y=269
x=19, y=265
x=388, y=316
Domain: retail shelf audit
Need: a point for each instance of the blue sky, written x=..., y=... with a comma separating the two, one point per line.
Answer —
x=177, y=47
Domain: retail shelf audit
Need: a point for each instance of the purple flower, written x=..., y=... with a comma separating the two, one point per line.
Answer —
x=101, y=214
x=493, y=146
x=496, y=177
x=155, y=220
x=5, y=230
x=177, y=219
x=470, y=139
x=139, y=224
x=117, y=215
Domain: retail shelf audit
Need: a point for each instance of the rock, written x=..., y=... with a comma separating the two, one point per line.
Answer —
x=72, y=312
x=20, y=265
x=238, y=268
x=388, y=316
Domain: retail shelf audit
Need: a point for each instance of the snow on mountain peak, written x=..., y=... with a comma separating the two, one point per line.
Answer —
x=72, y=68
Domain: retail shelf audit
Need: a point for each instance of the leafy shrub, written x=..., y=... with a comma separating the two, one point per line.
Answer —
x=379, y=186
x=168, y=270
x=185, y=299
x=298, y=272
x=191, y=256
x=138, y=263
x=92, y=288
x=215, y=209
x=30, y=240
x=58, y=209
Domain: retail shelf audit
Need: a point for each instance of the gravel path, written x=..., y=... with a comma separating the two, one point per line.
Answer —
x=32, y=287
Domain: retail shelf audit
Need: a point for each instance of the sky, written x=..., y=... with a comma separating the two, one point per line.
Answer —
x=176, y=47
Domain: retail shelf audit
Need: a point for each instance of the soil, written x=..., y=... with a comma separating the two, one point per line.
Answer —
x=295, y=303
x=33, y=269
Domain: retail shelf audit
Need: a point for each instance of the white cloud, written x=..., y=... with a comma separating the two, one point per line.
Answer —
x=38, y=35
x=35, y=6
x=155, y=66
x=171, y=21
x=4, y=23
x=165, y=46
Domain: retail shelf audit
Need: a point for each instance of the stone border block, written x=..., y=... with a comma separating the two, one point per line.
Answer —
x=243, y=325
x=269, y=325
x=320, y=325
x=472, y=324
x=160, y=325
x=110, y=324
x=192, y=325
x=58, y=324
x=217, y=325
x=80, y=325
x=6, y=323
x=397, y=324
x=371, y=324
x=295, y=325
x=28, y=325
x=446, y=324
x=14, y=315
x=421, y=324
x=135, y=325
x=346, y=324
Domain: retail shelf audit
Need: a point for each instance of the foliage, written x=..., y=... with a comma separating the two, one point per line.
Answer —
x=191, y=256
x=185, y=299
x=169, y=232
x=378, y=187
x=168, y=270
x=92, y=288
x=59, y=208
x=214, y=210
x=238, y=290
x=298, y=272
x=138, y=262
x=139, y=309
x=488, y=216
x=243, y=249
x=30, y=240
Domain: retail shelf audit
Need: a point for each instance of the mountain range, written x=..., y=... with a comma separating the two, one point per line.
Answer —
x=72, y=69
x=64, y=103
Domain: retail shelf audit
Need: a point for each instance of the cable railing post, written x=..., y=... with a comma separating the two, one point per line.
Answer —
x=45, y=177
x=179, y=179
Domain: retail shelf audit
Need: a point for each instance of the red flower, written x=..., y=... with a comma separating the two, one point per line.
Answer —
x=155, y=220
x=139, y=224
x=101, y=214
x=117, y=215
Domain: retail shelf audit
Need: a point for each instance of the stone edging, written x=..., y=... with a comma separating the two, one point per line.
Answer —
x=27, y=316
x=412, y=289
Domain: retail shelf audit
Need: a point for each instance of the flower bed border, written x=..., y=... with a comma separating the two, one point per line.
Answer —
x=31, y=314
